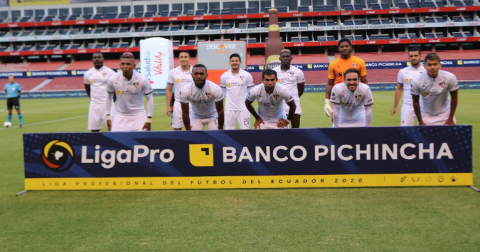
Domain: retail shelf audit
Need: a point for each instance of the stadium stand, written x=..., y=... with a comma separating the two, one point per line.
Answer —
x=64, y=84
x=32, y=66
x=28, y=84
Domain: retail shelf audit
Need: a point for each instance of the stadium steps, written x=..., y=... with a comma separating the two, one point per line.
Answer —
x=44, y=83
x=62, y=67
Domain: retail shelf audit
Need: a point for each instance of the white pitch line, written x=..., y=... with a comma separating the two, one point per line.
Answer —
x=45, y=122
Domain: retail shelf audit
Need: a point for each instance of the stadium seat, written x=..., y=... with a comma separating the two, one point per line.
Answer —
x=295, y=39
x=216, y=12
x=251, y=10
x=190, y=12
x=149, y=14
x=457, y=34
x=303, y=24
x=199, y=12
x=457, y=3
x=49, y=32
x=49, y=18
x=39, y=18
x=225, y=12
x=440, y=20
x=239, y=10
x=190, y=27
x=123, y=29
x=429, y=35
x=175, y=28
x=402, y=5
x=386, y=6
x=63, y=31
x=164, y=13
x=111, y=15
x=138, y=14
x=439, y=35
x=428, y=5
x=303, y=8
x=97, y=16
x=174, y=13
x=251, y=40
x=37, y=32
x=252, y=25
x=412, y=20
x=457, y=19
x=375, y=6
x=429, y=20
x=191, y=42
x=349, y=22
x=412, y=35
x=282, y=9
x=348, y=7
x=73, y=17
x=402, y=21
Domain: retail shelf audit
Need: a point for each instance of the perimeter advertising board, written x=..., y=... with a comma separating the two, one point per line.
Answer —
x=156, y=57
x=293, y=158
x=215, y=55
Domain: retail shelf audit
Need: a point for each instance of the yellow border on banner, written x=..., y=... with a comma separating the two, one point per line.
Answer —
x=227, y=182
x=14, y=3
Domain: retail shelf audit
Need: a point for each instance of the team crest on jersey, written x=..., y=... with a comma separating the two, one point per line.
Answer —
x=442, y=84
x=343, y=103
x=104, y=75
x=426, y=93
x=119, y=92
x=208, y=95
x=292, y=74
x=229, y=84
x=177, y=80
x=136, y=84
x=242, y=77
x=354, y=65
x=358, y=97
x=261, y=103
x=276, y=96
x=194, y=101
x=91, y=81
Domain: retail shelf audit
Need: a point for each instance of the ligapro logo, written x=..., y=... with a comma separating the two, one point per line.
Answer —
x=221, y=46
x=57, y=155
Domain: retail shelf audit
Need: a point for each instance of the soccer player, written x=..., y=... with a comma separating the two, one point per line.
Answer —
x=337, y=68
x=178, y=78
x=352, y=101
x=130, y=87
x=205, y=99
x=294, y=80
x=12, y=93
x=404, y=82
x=270, y=97
x=434, y=85
x=235, y=84
x=95, y=80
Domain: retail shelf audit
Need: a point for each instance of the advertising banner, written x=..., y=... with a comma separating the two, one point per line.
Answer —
x=156, y=57
x=15, y=3
x=316, y=157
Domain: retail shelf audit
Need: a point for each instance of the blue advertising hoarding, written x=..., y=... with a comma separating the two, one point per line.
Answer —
x=317, y=157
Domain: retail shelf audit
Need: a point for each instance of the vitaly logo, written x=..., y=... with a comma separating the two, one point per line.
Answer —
x=58, y=155
x=201, y=155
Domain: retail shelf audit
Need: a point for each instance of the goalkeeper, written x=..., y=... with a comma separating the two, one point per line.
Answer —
x=337, y=68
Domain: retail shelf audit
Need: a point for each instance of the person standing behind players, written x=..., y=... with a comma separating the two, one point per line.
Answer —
x=352, y=101
x=434, y=85
x=235, y=84
x=13, y=91
x=270, y=97
x=205, y=99
x=130, y=87
x=293, y=79
x=95, y=81
x=178, y=78
x=404, y=82
x=337, y=68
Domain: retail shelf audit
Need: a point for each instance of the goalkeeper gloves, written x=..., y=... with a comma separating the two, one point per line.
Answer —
x=328, y=110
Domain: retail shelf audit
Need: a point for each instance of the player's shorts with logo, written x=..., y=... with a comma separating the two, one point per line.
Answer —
x=407, y=115
x=234, y=116
x=13, y=102
x=177, y=119
x=199, y=124
x=133, y=122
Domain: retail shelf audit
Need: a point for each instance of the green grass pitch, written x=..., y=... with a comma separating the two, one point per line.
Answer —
x=332, y=219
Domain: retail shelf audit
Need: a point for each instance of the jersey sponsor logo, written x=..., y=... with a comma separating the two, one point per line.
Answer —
x=276, y=96
x=261, y=103
x=242, y=77
x=58, y=155
x=278, y=80
x=91, y=81
x=442, y=84
x=201, y=155
x=354, y=65
x=407, y=80
x=177, y=80
x=358, y=97
x=229, y=84
x=119, y=92
x=426, y=93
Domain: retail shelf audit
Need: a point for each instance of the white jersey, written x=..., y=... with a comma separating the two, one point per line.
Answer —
x=129, y=93
x=435, y=91
x=202, y=100
x=352, y=103
x=97, y=79
x=405, y=77
x=179, y=79
x=236, y=88
x=270, y=106
x=290, y=79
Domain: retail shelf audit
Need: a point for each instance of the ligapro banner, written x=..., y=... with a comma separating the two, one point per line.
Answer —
x=284, y=158
x=156, y=57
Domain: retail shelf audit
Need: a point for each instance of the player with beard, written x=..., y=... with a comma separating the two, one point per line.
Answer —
x=235, y=84
x=337, y=68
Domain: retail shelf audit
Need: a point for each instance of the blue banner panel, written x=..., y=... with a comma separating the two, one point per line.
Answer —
x=235, y=154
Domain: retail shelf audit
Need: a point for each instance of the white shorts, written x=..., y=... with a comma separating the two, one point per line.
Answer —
x=439, y=119
x=97, y=116
x=234, y=116
x=298, y=108
x=271, y=125
x=177, y=119
x=129, y=122
x=407, y=115
x=199, y=124
x=344, y=123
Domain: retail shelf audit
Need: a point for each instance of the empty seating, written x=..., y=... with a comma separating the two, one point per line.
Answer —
x=39, y=18
x=149, y=14
x=190, y=12
x=216, y=12
x=428, y=5
x=303, y=8
x=429, y=20
x=174, y=13
x=429, y=35
x=190, y=27
x=413, y=5
x=123, y=29
x=402, y=36
x=379, y=36
x=149, y=28
x=73, y=17
x=226, y=26
x=251, y=40
x=199, y=12
x=358, y=6
x=375, y=22
x=49, y=18
x=49, y=32
x=324, y=8
x=402, y=21
x=412, y=20
x=457, y=19
x=251, y=10
x=97, y=16
x=164, y=13
x=439, y=35
x=457, y=34
x=282, y=9
x=225, y=12
x=386, y=6
x=457, y=3
x=252, y=25
x=191, y=42
x=375, y=6
x=330, y=23
x=175, y=28
x=412, y=35
x=348, y=7
x=295, y=39
x=402, y=6
x=440, y=20
x=239, y=10
x=303, y=24
x=139, y=14
x=49, y=47
x=349, y=22
x=111, y=15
